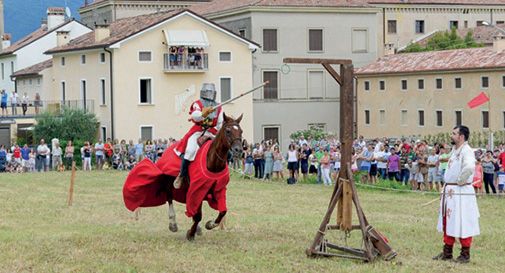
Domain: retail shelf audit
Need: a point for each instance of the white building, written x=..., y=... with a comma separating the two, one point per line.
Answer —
x=30, y=49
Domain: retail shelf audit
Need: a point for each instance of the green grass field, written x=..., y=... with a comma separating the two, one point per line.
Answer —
x=269, y=226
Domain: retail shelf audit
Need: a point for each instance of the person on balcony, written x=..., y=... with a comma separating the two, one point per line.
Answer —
x=24, y=103
x=3, y=103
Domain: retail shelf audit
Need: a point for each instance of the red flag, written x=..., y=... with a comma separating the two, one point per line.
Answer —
x=479, y=100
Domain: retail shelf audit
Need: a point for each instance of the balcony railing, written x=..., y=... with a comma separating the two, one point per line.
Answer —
x=34, y=108
x=191, y=62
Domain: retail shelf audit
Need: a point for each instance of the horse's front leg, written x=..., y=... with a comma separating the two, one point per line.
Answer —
x=190, y=235
x=213, y=224
x=172, y=222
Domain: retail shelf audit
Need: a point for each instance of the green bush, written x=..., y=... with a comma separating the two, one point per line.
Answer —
x=73, y=124
x=316, y=134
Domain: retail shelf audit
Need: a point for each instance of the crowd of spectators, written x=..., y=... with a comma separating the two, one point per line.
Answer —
x=409, y=162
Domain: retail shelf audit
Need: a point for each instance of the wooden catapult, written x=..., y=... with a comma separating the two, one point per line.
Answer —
x=345, y=195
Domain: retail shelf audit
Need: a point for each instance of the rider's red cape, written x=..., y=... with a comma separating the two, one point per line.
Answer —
x=146, y=185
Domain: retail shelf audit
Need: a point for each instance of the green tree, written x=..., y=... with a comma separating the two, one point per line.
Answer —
x=77, y=125
x=445, y=41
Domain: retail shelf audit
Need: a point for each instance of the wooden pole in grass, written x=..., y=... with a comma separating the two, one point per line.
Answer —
x=71, y=189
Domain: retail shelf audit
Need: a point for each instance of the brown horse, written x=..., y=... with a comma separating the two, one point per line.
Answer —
x=228, y=138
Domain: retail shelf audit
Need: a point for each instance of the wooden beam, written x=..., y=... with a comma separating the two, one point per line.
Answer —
x=315, y=61
x=333, y=73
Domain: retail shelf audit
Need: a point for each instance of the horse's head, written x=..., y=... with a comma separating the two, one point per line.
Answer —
x=233, y=133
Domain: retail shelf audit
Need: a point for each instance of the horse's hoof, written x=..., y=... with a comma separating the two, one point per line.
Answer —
x=173, y=227
x=210, y=225
x=189, y=237
x=198, y=231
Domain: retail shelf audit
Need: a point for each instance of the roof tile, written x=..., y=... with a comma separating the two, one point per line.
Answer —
x=458, y=59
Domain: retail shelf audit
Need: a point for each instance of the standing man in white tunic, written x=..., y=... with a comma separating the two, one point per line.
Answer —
x=459, y=214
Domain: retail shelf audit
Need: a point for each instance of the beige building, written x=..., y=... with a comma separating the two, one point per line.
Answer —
x=107, y=11
x=138, y=90
x=407, y=21
x=427, y=93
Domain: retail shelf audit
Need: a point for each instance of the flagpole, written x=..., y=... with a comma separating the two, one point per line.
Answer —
x=490, y=138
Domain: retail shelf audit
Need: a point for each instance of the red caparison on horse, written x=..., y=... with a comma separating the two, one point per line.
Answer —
x=151, y=184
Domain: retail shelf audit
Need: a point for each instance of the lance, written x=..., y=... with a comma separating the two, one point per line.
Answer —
x=239, y=96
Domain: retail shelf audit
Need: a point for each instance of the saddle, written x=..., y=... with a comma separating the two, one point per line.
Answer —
x=201, y=140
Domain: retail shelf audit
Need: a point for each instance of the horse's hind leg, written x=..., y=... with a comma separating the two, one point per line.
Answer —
x=212, y=224
x=172, y=223
x=190, y=235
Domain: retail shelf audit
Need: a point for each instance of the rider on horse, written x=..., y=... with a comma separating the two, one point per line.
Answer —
x=206, y=123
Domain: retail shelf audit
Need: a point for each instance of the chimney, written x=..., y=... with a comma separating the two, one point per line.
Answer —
x=55, y=17
x=389, y=49
x=6, y=40
x=499, y=42
x=62, y=37
x=102, y=32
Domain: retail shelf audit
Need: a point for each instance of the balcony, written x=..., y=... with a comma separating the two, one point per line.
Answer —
x=186, y=63
x=34, y=108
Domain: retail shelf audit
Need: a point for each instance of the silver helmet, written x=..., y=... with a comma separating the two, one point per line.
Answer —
x=208, y=91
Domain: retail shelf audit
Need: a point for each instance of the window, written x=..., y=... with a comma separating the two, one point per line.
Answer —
x=271, y=133
x=367, y=85
x=315, y=40
x=419, y=26
x=500, y=22
x=484, y=82
x=270, y=91
x=62, y=61
x=438, y=84
x=146, y=132
x=63, y=91
x=404, y=84
x=225, y=89
x=38, y=81
x=453, y=24
x=83, y=94
x=480, y=23
x=420, y=84
x=382, y=85
x=466, y=24
x=3, y=72
x=30, y=81
x=12, y=67
x=392, y=26
x=485, y=119
x=102, y=92
x=104, y=134
x=242, y=32
x=439, y=118
x=503, y=81
x=316, y=84
x=145, y=91
x=225, y=56
x=458, y=83
x=459, y=119
x=403, y=118
x=503, y=120
x=367, y=117
x=359, y=40
x=144, y=56
x=420, y=117
x=83, y=59
x=382, y=117
x=270, y=40
x=102, y=58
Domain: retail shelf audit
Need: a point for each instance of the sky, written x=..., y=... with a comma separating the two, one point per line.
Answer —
x=25, y=16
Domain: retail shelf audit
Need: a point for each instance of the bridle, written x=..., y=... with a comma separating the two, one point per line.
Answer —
x=230, y=141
